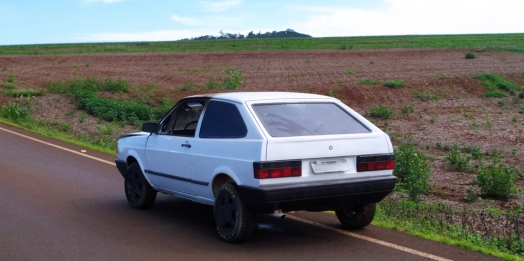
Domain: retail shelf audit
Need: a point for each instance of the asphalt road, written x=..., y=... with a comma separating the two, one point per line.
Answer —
x=56, y=205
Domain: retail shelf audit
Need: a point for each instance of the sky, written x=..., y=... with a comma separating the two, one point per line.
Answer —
x=80, y=21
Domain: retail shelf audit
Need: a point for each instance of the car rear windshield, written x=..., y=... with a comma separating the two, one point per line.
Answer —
x=307, y=119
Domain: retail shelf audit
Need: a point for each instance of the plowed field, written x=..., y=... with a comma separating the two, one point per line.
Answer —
x=460, y=115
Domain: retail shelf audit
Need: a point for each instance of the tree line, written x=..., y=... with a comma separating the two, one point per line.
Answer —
x=288, y=33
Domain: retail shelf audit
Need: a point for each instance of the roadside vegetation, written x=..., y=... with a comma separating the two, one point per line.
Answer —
x=503, y=42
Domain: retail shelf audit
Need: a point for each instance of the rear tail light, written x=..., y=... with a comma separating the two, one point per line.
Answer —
x=277, y=169
x=375, y=162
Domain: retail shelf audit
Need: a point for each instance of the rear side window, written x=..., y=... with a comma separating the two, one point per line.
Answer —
x=222, y=120
x=307, y=119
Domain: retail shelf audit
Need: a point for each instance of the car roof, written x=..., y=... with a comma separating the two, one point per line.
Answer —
x=259, y=96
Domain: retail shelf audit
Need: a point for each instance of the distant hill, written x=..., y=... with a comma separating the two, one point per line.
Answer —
x=288, y=33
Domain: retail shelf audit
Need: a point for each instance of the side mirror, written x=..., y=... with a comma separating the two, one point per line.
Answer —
x=151, y=127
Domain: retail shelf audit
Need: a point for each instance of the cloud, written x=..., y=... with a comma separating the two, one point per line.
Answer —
x=186, y=20
x=400, y=17
x=165, y=35
x=230, y=22
x=105, y=1
x=219, y=7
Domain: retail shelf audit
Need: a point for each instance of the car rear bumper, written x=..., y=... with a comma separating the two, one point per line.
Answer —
x=318, y=196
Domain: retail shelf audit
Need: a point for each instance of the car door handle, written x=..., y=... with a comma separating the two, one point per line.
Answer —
x=186, y=145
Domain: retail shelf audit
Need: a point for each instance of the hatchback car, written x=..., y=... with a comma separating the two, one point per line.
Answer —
x=258, y=152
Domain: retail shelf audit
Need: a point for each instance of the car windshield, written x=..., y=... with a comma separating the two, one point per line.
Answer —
x=307, y=119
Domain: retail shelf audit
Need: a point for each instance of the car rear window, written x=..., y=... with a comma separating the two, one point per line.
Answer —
x=307, y=119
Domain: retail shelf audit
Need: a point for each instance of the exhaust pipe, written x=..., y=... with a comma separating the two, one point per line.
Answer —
x=278, y=215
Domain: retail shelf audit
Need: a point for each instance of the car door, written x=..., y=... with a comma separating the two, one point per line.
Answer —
x=168, y=152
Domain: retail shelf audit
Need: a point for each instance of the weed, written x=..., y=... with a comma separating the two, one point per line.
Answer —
x=495, y=94
x=500, y=103
x=71, y=112
x=521, y=95
x=87, y=85
x=10, y=78
x=394, y=83
x=488, y=124
x=23, y=93
x=86, y=64
x=496, y=84
x=75, y=65
x=514, y=119
x=458, y=161
x=299, y=75
x=189, y=86
x=425, y=95
x=380, y=112
x=63, y=127
x=331, y=94
x=514, y=151
x=470, y=56
x=412, y=170
x=432, y=119
x=8, y=85
x=407, y=109
x=82, y=117
x=15, y=112
x=108, y=130
x=476, y=153
x=213, y=85
x=470, y=195
x=233, y=78
x=350, y=71
x=496, y=179
x=521, y=111
x=369, y=81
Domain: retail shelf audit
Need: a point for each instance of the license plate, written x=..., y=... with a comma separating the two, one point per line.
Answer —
x=329, y=165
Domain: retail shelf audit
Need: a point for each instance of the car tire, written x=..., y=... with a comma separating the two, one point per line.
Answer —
x=356, y=217
x=234, y=222
x=139, y=193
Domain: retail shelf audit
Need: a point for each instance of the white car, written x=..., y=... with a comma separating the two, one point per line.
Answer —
x=258, y=152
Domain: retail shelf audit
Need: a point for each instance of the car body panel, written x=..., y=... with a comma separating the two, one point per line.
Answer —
x=188, y=166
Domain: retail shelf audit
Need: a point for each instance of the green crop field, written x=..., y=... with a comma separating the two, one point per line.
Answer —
x=504, y=42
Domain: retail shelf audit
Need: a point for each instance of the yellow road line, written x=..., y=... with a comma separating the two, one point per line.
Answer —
x=370, y=239
x=59, y=147
x=347, y=233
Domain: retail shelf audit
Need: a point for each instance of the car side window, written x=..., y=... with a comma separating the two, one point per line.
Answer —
x=183, y=120
x=222, y=120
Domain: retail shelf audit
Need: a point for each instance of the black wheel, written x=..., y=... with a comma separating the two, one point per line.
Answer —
x=233, y=220
x=139, y=193
x=356, y=217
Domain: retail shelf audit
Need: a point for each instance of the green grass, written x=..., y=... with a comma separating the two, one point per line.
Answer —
x=497, y=85
x=394, y=83
x=23, y=92
x=369, y=81
x=504, y=42
x=434, y=221
x=84, y=93
x=8, y=85
x=380, y=112
x=44, y=129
